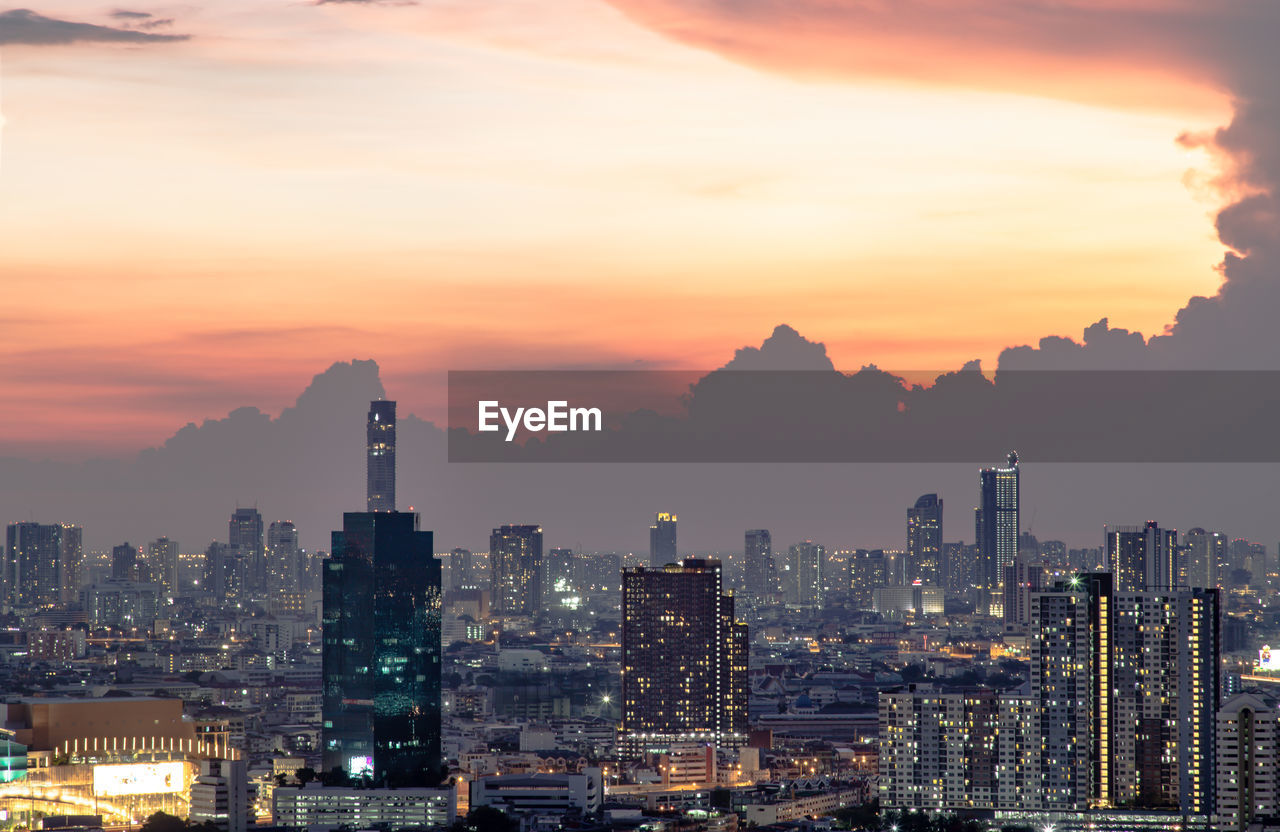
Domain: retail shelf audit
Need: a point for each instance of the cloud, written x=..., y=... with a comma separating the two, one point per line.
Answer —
x=125, y=14
x=1143, y=52
x=28, y=28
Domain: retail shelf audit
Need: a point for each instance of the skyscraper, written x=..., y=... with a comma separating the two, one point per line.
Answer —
x=162, y=555
x=285, y=566
x=461, y=570
x=760, y=572
x=124, y=563
x=515, y=570
x=1199, y=563
x=684, y=659
x=34, y=564
x=662, y=539
x=558, y=579
x=1143, y=557
x=1165, y=688
x=380, y=464
x=1247, y=758
x=924, y=541
x=72, y=562
x=381, y=652
x=807, y=559
x=244, y=534
x=996, y=520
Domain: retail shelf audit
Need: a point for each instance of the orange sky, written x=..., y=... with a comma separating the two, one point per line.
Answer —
x=190, y=226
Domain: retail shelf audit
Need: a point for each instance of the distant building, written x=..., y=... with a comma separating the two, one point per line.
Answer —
x=759, y=571
x=245, y=535
x=285, y=567
x=996, y=521
x=1143, y=557
x=380, y=463
x=162, y=555
x=127, y=604
x=806, y=561
x=461, y=570
x=515, y=570
x=662, y=539
x=35, y=564
x=924, y=540
x=684, y=659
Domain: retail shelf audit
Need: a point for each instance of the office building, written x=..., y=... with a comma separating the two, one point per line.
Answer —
x=72, y=562
x=381, y=650
x=534, y=794
x=558, y=577
x=924, y=540
x=126, y=604
x=226, y=574
x=1247, y=761
x=515, y=570
x=684, y=659
x=162, y=560
x=222, y=795
x=662, y=539
x=996, y=521
x=317, y=807
x=760, y=573
x=806, y=563
x=1143, y=557
x=1021, y=580
x=380, y=462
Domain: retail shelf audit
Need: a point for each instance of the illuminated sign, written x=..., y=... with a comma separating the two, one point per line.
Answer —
x=138, y=778
x=1269, y=661
x=360, y=766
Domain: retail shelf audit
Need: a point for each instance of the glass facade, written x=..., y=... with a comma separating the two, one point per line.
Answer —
x=382, y=650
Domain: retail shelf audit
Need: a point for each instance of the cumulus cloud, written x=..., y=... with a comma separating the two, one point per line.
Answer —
x=28, y=28
x=1100, y=51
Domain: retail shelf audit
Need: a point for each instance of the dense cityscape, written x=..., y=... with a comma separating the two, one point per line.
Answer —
x=1008, y=683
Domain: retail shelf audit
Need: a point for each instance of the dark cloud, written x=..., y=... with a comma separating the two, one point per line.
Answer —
x=28, y=28
x=125, y=14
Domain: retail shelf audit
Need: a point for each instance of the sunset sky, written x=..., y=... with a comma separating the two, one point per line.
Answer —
x=191, y=224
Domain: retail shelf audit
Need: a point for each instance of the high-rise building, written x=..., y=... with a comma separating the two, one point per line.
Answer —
x=72, y=562
x=34, y=564
x=924, y=540
x=1165, y=687
x=938, y=749
x=684, y=659
x=1199, y=560
x=1143, y=557
x=285, y=567
x=380, y=464
x=461, y=570
x=662, y=539
x=162, y=557
x=558, y=578
x=806, y=560
x=759, y=571
x=1247, y=761
x=226, y=573
x=124, y=563
x=515, y=570
x=245, y=535
x=381, y=651
x=1021, y=580
x=996, y=521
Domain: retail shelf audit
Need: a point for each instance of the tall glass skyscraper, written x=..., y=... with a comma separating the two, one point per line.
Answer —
x=380, y=464
x=996, y=521
x=382, y=650
x=515, y=570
